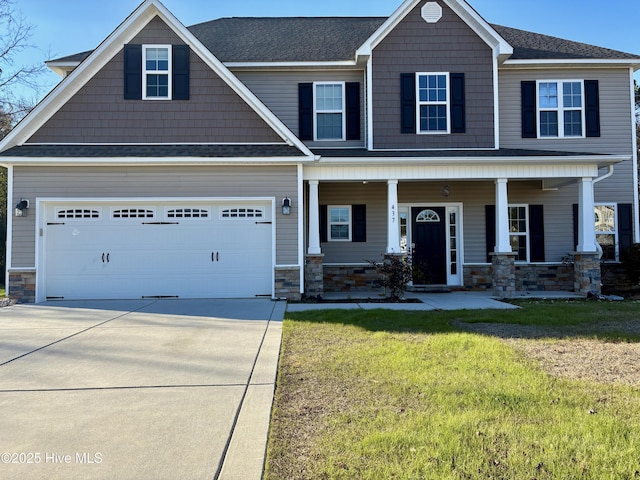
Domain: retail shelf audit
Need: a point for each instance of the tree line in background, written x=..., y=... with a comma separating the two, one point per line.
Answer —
x=19, y=85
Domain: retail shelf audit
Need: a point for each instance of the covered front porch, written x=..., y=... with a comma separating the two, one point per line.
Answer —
x=468, y=223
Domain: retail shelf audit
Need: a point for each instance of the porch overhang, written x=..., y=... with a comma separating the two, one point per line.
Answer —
x=362, y=165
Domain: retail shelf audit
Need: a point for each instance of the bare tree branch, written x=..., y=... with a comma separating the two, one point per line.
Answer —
x=15, y=79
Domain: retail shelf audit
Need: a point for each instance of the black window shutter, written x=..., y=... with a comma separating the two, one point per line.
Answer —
x=592, y=104
x=490, y=223
x=625, y=226
x=407, y=103
x=575, y=226
x=529, y=115
x=324, y=223
x=353, y=110
x=536, y=227
x=133, y=72
x=458, y=121
x=359, y=233
x=181, y=72
x=305, y=111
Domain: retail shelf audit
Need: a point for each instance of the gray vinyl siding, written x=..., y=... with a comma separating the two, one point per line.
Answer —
x=98, y=113
x=447, y=46
x=138, y=182
x=615, y=123
x=474, y=195
x=278, y=90
x=374, y=196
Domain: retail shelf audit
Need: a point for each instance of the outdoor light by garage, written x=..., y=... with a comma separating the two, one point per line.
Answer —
x=22, y=208
x=286, y=206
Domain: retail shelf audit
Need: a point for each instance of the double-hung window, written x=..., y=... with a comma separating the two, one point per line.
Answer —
x=329, y=107
x=156, y=74
x=606, y=230
x=561, y=111
x=340, y=223
x=519, y=231
x=433, y=103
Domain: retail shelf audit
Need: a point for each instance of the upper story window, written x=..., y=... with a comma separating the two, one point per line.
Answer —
x=156, y=72
x=433, y=103
x=329, y=106
x=156, y=75
x=561, y=109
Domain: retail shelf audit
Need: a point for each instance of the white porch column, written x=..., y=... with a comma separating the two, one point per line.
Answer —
x=393, y=227
x=314, y=219
x=586, y=223
x=503, y=245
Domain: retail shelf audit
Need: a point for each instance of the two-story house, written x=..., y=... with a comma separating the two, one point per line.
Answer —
x=278, y=156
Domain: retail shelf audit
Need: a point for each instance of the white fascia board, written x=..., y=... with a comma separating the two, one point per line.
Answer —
x=291, y=65
x=62, y=68
x=597, y=160
x=572, y=63
x=127, y=30
x=150, y=161
x=499, y=45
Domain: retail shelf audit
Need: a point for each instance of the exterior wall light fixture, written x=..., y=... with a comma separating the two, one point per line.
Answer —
x=286, y=206
x=22, y=208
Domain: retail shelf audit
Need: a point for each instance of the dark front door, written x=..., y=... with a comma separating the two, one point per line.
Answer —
x=429, y=237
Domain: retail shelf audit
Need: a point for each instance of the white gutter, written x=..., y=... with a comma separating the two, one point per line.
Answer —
x=605, y=176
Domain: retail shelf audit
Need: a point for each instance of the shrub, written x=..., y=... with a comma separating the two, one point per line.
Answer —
x=396, y=272
x=631, y=262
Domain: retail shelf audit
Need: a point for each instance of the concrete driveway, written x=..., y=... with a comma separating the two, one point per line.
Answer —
x=141, y=389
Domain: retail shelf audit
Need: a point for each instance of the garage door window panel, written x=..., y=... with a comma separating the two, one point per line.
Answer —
x=242, y=213
x=193, y=213
x=78, y=214
x=124, y=213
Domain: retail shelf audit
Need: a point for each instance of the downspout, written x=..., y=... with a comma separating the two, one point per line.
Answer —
x=606, y=175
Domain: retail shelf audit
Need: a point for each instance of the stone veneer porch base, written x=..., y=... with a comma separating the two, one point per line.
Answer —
x=22, y=285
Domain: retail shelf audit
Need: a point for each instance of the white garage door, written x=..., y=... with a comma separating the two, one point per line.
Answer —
x=138, y=249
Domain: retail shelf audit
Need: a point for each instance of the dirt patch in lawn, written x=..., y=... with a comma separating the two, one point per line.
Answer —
x=567, y=353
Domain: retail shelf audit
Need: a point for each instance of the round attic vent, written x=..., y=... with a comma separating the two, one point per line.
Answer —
x=431, y=12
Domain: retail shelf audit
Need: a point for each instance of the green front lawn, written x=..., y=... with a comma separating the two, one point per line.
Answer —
x=382, y=394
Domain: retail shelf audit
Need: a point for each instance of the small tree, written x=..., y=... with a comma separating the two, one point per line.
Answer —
x=396, y=272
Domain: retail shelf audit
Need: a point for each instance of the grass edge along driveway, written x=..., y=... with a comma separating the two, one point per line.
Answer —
x=412, y=395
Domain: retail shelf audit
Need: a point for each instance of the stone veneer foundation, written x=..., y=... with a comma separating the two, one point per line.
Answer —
x=22, y=286
x=588, y=276
x=503, y=266
x=313, y=276
x=287, y=283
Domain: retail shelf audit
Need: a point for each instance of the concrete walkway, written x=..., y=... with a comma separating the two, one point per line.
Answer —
x=146, y=389
x=429, y=301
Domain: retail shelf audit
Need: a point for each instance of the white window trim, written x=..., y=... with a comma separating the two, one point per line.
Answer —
x=560, y=109
x=316, y=112
x=526, y=234
x=145, y=72
x=349, y=223
x=419, y=104
x=614, y=232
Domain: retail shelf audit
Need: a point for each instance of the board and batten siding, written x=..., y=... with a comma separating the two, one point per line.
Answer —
x=278, y=90
x=449, y=45
x=474, y=195
x=98, y=112
x=157, y=182
x=615, y=123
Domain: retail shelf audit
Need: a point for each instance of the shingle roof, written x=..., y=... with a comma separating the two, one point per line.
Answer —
x=288, y=39
x=321, y=39
x=535, y=46
x=156, y=151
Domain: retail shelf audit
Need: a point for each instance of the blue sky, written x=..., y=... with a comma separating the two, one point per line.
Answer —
x=64, y=27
